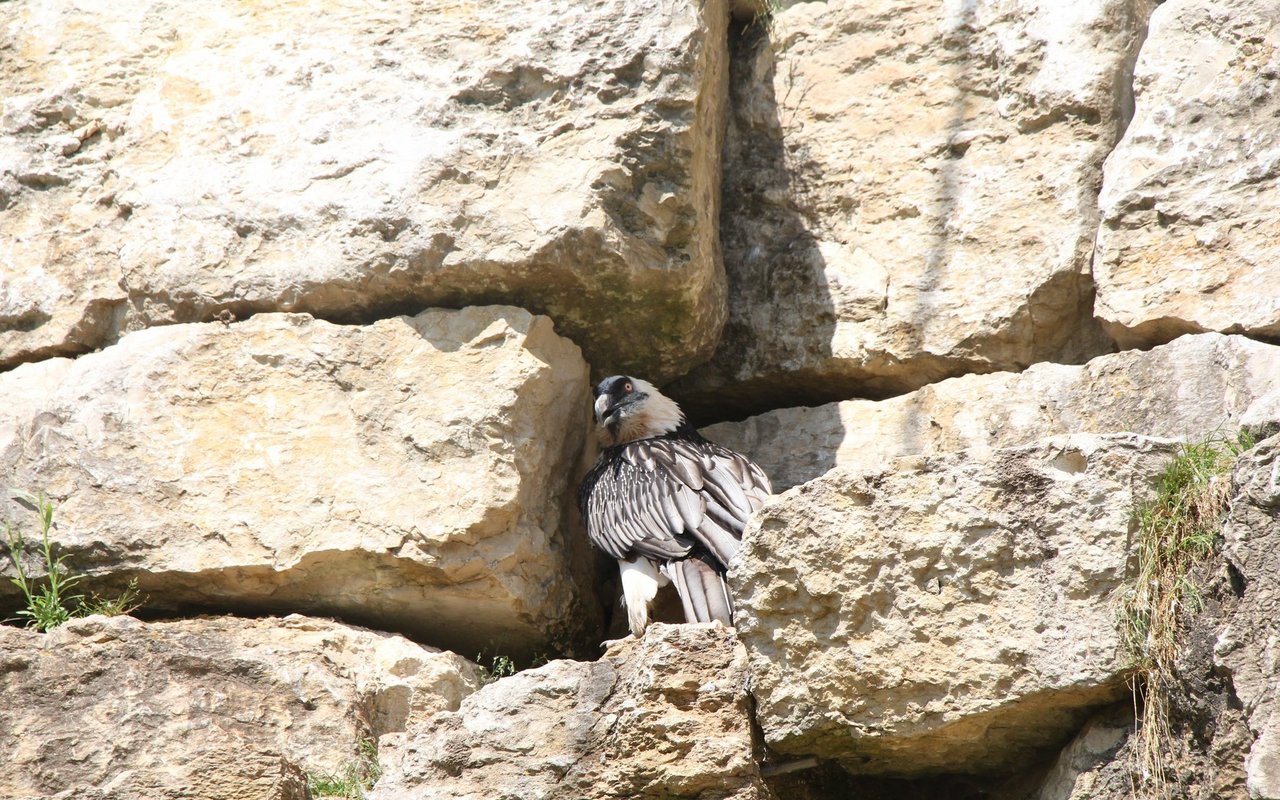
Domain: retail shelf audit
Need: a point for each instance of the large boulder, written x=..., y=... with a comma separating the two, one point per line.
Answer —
x=911, y=193
x=944, y=614
x=210, y=708
x=1248, y=647
x=665, y=716
x=1190, y=237
x=1194, y=387
x=163, y=162
x=409, y=474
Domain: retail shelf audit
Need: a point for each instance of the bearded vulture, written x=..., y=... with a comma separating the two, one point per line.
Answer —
x=667, y=503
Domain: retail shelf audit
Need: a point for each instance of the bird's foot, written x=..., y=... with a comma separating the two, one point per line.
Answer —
x=609, y=644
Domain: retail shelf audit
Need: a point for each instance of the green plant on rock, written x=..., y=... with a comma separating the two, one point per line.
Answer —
x=1178, y=529
x=500, y=667
x=128, y=600
x=50, y=599
x=355, y=779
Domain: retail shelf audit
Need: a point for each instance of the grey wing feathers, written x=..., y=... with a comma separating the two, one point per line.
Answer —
x=661, y=497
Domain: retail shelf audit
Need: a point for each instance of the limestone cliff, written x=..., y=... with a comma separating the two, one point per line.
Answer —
x=300, y=306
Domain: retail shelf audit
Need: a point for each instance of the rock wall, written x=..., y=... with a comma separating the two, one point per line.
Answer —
x=1194, y=387
x=164, y=163
x=414, y=462
x=858, y=590
x=1247, y=646
x=213, y=707
x=300, y=304
x=911, y=194
x=666, y=716
x=1188, y=240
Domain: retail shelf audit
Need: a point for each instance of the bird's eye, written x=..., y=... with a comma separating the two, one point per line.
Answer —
x=628, y=388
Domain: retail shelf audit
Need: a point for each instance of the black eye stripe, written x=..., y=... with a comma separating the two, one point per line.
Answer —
x=614, y=386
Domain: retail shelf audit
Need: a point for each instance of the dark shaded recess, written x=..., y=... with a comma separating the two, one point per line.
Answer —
x=768, y=248
x=150, y=612
x=771, y=256
x=828, y=781
x=666, y=607
x=27, y=321
x=1112, y=779
x=803, y=388
x=157, y=605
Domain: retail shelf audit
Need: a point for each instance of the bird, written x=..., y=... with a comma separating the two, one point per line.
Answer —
x=667, y=503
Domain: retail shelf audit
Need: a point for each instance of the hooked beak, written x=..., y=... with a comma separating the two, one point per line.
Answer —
x=603, y=408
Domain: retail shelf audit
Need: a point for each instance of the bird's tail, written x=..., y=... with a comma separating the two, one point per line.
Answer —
x=702, y=590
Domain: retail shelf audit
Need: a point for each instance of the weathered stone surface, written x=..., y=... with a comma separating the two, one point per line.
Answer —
x=1203, y=754
x=910, y=194
x=163, y=162
x=1192, y=388
x=666, y=716
x=207, y=708
x=407, y=474
x=1189, y=238
x=1093, y=765
x=1249, y=646
x=948, y=613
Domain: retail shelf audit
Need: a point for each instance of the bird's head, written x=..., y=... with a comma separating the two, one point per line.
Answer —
x=630, y=408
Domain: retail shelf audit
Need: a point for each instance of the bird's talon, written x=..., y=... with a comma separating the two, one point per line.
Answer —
x=609, y=644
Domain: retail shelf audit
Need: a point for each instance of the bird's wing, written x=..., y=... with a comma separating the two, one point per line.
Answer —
x=630, y=510
x=661, y=497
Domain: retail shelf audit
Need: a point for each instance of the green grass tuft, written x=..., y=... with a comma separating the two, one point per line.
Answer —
x=355, y=779
x=128, y=600
x=1177, y=530
x=50, y=599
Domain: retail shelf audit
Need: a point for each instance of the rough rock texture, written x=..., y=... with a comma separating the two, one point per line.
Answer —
x=1249, y=646
x=1192, y=387
x=163, y=162
x=1223, y=705
x=910, y=194
x=206, y=708
x=1190, y=239
x=667, y=716
x=1093, y=766
x=1204, y=754
x=950, y=613
x=407, y=474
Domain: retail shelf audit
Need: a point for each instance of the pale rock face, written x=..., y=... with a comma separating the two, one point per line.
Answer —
x=210, y=708
x=1194, y=387
x=1093, y=766
x=1249, y=646
x=942, y=614
x=665, y=716
x=163, y=162
x=408, y=474
x=1190, y=239
x=910, y=193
